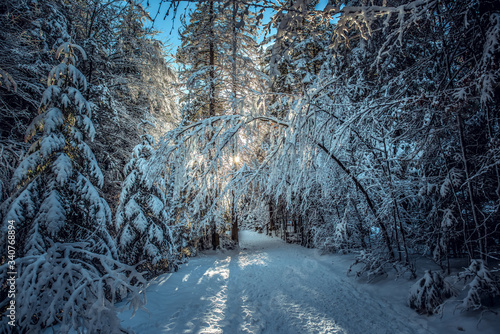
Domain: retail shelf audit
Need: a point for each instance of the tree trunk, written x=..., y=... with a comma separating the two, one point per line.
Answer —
x=234, y=216
x=360, y=224
x=215, y=238
x=271, y=218
x=470, y=192
x=234, y=47
x=211, y=51
x=396, y=215
x=211, y=104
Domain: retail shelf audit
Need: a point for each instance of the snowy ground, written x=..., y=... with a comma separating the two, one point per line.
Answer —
x=272, y=287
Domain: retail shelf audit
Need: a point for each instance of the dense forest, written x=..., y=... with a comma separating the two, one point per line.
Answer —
x=358, y=126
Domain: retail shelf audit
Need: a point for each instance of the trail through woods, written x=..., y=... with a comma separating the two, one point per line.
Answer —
x=268, y=286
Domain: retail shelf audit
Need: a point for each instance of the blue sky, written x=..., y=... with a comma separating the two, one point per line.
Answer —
x=169, y=28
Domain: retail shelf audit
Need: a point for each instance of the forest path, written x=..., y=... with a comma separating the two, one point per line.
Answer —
x=268, y=286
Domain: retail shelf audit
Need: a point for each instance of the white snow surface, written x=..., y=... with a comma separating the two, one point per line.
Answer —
x=268, y=286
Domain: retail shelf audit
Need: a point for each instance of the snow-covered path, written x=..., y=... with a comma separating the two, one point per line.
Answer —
x=269, y=287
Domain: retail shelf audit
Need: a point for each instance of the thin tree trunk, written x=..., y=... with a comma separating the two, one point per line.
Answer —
x=497, y=191
x=234, y=232
x=469, y=187
x=234, y=216
x=360, y=226
x=211, y=104
x=234, y=48
x=271, y=218
x=397, y=216
x=211, y=51
x=394, y=204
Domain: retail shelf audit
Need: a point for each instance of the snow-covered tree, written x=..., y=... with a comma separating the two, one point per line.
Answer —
x=65, y=256
x=379, y=121
x=482, y=286
x=298, y=44
x=70, y=289
x=428, y=293
x=372, y=265
x=130, y=81
x=30, y=30
x=220, y=71
x=55, y=199
x=219, y=58
x=143, y=217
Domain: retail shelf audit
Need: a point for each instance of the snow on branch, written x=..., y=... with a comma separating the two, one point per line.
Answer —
x=428, y=294
x=7, y=81
x=482, y=286
x=72, y=289
x=363, y=18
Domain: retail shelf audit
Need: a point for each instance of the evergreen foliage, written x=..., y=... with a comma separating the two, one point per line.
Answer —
x=55, y=199
x=143, y=218
x=72, y=289
x=428, y=293
x=482, y=286
x=65, y=255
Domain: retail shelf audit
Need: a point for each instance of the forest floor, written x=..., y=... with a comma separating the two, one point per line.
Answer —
x=268, y=286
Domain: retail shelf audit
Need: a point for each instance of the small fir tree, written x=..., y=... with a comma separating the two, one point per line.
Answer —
x=482, y=286
x=142, y=217
x=428, y=293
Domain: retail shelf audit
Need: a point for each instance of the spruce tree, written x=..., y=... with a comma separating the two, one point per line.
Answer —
x=66, y=261
x=56, y=198
x=142, y=217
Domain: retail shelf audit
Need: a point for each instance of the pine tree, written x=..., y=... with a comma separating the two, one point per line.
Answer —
x=200, y=55
x=30, y=30
x=298, y=47
x=131, y=81
x=428, y=293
